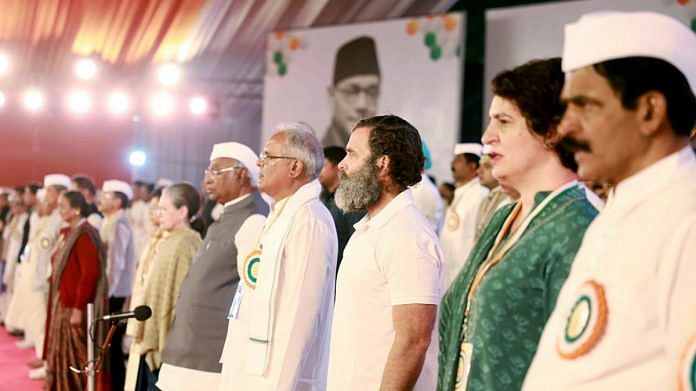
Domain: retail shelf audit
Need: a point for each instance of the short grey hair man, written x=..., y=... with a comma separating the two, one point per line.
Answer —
x=302, y=143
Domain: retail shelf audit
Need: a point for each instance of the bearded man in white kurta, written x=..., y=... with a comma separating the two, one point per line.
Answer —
x=280, y=319
x=625, y=318
x=459, y=230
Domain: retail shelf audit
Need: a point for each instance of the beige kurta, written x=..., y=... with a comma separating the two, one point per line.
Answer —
x=135, y=327
x=169, y=266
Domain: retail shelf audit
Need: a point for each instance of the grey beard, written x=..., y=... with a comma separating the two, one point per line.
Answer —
x=360, y=190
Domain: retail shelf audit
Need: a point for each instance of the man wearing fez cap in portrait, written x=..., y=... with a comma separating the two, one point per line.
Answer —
x=625, y=318
x=355, y=89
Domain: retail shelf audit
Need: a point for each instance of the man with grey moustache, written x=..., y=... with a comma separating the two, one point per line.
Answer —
x=391, y=278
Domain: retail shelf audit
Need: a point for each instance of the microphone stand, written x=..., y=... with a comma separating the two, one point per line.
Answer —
x=94, y=366
x=91, y=376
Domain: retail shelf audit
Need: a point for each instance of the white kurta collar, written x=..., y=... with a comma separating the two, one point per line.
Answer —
x=237, y=200
x=631, y=191
x=463, y=188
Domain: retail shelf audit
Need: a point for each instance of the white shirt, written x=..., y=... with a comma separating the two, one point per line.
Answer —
x=394, y=258
x=95, y=220
x=139, y=217
x=641, y=250
x=459, y=229
x=304, y=305
x=176, y=378
x=427, y=199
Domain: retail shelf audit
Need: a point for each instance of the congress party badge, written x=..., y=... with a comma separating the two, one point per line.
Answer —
x=464, y=365
x=585, y=323
x=250, y=272
x=45, y=243
x=452, y=222
x=687, y=367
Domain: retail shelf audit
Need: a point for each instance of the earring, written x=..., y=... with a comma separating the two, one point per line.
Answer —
x=548, y=144
x=77, y=213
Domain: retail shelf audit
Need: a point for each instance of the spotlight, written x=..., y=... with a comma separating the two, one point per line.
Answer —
x=169, y=74
x=79, y=102
x=198, y=105
x=2, y=99
x=4, y=64
x=117, y=102
x=162, y=104
x=86, y=69
x=137, y=158
x=33, y=100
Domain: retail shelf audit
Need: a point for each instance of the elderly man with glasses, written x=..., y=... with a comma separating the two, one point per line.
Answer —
x=281, y=317
x=191, y=359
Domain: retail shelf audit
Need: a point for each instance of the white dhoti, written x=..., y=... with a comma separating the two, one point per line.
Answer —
x=25, y=301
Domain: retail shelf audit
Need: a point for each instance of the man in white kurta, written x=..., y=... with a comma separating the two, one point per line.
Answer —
x=391, y=279
x=626, y=317
x=280, y=319
x=427, y=199
x=459, y=229
x=39, y=258
x=139, y=217
x=117, y=235
x=12, y=236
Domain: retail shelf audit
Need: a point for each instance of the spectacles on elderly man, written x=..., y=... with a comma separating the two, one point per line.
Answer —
x=219, y=171
x=264, y=157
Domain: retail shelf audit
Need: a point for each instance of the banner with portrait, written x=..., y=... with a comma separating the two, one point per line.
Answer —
x=331, y=77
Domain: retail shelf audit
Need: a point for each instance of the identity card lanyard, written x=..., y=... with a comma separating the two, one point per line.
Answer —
x=251, y=264
x=494, y=257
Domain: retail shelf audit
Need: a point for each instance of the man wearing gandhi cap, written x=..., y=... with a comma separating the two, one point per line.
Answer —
x=29, y=300
x=117, y=234
x=355, y=89
x=626, y=317
x=459, y=230
x=191, y=358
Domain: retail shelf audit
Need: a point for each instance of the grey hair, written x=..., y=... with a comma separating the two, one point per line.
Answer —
x=302, y=144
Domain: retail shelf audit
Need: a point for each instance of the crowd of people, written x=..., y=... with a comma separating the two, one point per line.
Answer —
x=346, y=268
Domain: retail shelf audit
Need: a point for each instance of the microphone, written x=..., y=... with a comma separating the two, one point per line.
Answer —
x=141, y=312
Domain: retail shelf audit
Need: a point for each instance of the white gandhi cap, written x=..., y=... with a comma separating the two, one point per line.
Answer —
x=239, y=152
x=116, y=185
x=163, y=182
x=604, y=36
x=57, y=180
x=472, y=148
